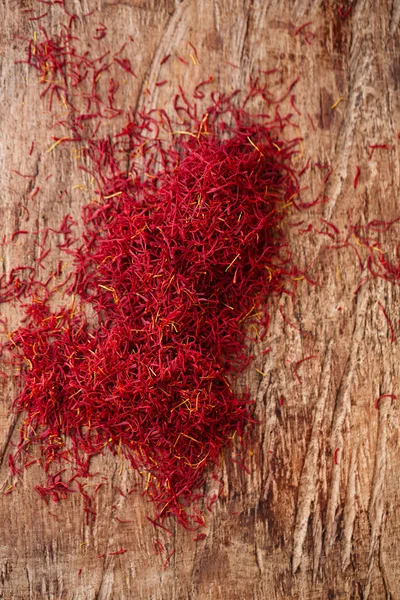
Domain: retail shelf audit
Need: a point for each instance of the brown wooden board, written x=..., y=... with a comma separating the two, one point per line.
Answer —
x=299, y=526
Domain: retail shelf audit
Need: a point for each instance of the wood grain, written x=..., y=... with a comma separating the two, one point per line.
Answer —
x=299, y=526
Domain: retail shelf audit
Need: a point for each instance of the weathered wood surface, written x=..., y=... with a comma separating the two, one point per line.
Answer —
x=298, y=526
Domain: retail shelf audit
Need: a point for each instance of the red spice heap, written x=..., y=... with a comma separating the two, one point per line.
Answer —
x=173, y=266
x=178, y=257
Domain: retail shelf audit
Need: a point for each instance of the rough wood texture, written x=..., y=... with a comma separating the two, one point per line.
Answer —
x=299, y=526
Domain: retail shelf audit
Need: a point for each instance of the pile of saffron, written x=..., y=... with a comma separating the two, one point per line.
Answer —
x=180, y=253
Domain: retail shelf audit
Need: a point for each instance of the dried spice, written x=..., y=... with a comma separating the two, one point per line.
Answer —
x=174, y=263
x=179, y=255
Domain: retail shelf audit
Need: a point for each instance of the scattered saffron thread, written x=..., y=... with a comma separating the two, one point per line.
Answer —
x=378, y=400
x=357, y=177
x=297, y=364
x=373, y=147
x=389, y=322
x=335, y=456
x=117, y=552
x=343, y=12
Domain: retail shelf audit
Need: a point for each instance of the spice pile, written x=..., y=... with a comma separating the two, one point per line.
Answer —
x=179, y=255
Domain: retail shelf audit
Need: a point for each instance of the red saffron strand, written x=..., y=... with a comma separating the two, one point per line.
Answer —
x=123, y=520
x=389, y=322
x=311, y=121
x=38, y=17
x=227, y=62
x=194, y=52
x=357, y=177
x=34, y=192
x=298, y=363
x=297, y=31
x=167, y=559
x=292, y=99
x=18, y=232
x=330, y=171
x=331, y=225
x=378, y=400
x=164, y=60
x=121, y=49
x=288, y=322
x=308, y=37
x=158, y=547
x=343, y=12
x=21, y=175
x=101, y=32
x=335, y=456
x=373, y=147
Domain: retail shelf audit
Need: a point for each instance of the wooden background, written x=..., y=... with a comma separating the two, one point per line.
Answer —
x=299, y=526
